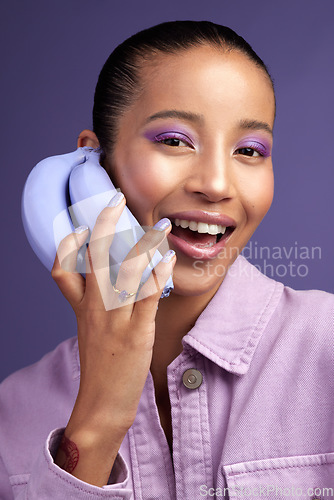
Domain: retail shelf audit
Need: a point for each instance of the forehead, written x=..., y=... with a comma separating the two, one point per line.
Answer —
x=206, y=79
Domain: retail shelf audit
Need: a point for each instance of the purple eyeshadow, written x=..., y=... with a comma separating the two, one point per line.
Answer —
x=164, y=133
x=259, y=144
x=172, y=135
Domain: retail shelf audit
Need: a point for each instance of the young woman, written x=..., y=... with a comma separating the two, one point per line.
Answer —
x=226, y=387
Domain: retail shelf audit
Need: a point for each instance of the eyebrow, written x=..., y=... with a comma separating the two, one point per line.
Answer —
x=255, y=125
x=174, y=113
x=199, y=119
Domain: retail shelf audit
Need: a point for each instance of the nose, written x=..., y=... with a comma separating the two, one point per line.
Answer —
x=211, y=176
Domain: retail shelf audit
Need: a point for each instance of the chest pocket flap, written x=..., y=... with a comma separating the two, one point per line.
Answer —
x=305, y=477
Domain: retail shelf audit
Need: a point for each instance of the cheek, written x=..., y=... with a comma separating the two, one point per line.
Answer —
x=258, y=195
x=145, y=180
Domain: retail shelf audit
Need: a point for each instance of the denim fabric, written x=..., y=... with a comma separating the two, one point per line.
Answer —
x=260, y=425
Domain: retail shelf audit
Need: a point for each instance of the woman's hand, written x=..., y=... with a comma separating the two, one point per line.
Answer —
x=115, y=341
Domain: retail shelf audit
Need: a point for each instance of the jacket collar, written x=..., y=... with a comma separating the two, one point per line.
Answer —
x=229, y=329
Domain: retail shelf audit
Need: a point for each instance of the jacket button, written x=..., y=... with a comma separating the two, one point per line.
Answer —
x=192, y=378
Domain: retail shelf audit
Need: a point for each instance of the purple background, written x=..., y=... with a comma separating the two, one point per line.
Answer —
x=52, y=53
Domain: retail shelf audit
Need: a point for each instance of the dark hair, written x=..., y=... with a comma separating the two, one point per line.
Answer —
x=119, y=85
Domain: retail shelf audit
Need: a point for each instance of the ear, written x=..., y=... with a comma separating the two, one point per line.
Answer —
x=87, y=138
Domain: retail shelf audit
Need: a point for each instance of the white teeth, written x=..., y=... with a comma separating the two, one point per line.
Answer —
x=213, y=229
x=193, y=225
x=200, y=227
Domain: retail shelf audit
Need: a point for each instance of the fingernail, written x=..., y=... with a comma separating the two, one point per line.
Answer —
x=168, y=256
x=80, y=229
x=116, y=200
x=162, y=224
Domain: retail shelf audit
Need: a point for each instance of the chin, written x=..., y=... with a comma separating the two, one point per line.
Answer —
x=190, y=285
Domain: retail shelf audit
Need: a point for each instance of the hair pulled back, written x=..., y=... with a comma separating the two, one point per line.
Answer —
x=119, y=84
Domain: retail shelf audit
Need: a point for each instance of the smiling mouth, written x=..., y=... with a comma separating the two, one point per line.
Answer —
x=199, y=240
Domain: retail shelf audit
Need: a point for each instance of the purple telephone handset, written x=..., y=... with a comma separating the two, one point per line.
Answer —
x=66, y=191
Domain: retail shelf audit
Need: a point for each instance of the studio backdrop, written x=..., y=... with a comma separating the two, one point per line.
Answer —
x=51, y=57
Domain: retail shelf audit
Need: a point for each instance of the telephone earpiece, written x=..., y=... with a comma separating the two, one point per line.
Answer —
x=66, y=191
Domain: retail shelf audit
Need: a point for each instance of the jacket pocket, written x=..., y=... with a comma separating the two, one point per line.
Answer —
x=19, y=484
x=305, y=477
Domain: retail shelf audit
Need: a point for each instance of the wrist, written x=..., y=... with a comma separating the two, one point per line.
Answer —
x=100, y=420
x=88, y=438
x=87, y=456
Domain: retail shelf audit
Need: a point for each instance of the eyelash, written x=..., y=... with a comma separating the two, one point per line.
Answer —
x=257, y=149
x=165, y=137
x=159, y=139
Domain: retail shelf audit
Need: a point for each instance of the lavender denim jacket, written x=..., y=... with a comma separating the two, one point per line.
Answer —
x=255, y=418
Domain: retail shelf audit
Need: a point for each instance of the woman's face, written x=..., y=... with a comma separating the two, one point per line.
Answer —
x=197, y=147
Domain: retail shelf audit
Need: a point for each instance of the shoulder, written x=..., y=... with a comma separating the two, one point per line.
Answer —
x=309, y=307
x=302, y=319
x=40, y=397
x=304, y=322
x=61, y=363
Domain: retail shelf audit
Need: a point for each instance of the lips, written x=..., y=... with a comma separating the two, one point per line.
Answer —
x=197, y=246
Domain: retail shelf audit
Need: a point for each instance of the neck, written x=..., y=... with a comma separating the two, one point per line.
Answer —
x=176, y=315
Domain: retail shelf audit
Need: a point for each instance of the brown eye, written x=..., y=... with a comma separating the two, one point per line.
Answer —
x=249, y=152
x=172, y=142
x=172, y=139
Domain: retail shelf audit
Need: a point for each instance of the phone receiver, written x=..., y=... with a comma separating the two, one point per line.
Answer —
x=66, y=191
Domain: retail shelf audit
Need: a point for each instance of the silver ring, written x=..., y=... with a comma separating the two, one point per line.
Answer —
x=123, y=295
